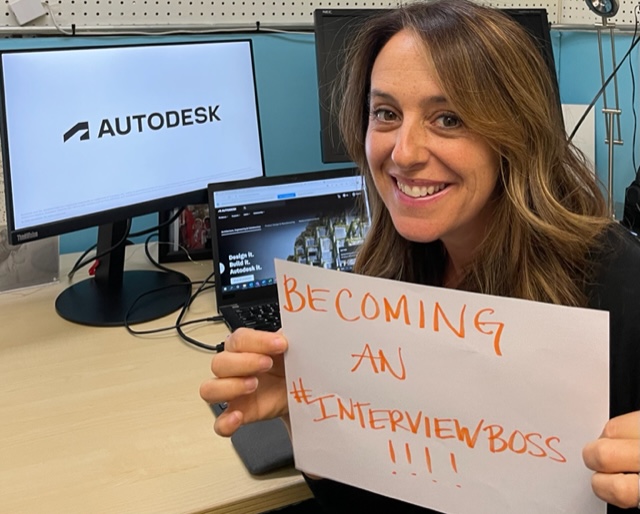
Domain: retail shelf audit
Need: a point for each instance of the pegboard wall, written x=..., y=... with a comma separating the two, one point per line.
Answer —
x=129, y=15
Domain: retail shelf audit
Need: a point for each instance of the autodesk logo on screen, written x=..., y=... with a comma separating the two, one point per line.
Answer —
x=138, y=123
x=82, y=126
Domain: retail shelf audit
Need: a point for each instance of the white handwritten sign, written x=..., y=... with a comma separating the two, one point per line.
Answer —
x=460, y=402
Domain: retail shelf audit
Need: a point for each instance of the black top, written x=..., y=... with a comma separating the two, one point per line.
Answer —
x=616, y=288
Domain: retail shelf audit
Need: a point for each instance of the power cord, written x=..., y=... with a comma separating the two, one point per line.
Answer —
x=631, y=211
x=82, y=261
x=180, y=323
x=216, y=319
x=633, y=94
x=634, y=43
x=178, y=326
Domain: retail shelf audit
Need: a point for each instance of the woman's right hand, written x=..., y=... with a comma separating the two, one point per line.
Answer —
x=249, y=376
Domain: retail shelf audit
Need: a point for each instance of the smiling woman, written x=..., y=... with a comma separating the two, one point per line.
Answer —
x=451, y=114
x=485, y=128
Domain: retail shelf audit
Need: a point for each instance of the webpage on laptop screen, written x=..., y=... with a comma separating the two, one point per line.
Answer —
x=323, y=230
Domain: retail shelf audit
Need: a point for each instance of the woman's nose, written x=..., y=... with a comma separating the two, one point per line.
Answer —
x=411, y=147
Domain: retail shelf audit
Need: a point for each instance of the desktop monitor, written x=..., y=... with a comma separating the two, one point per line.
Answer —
x=334, y=27
x=94, y=136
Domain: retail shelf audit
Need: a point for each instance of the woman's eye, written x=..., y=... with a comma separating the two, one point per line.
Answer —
x=383, y=115
x=448, y=121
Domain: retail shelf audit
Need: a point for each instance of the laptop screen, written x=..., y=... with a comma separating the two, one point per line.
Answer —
x=317, y=218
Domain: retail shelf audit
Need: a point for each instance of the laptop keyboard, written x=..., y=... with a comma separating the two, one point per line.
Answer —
x=261, y=317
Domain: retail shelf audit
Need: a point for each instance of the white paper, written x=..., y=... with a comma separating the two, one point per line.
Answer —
x=585, y=137
x=460, y=402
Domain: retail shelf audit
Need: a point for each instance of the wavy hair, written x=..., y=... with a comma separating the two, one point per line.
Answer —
x=549, y=209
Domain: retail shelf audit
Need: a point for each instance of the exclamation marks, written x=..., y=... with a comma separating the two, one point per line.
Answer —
x=392, y=454
x=427, y=458
x=454, y=466
x=407, y=453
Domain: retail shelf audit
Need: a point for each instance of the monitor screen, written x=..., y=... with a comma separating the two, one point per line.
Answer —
x=536, y=22
x=333, y=28
x=93, y=136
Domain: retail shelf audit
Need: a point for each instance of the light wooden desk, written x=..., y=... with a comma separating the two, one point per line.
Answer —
x=98, y=420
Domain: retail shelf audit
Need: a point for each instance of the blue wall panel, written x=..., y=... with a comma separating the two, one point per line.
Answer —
x=579, y=76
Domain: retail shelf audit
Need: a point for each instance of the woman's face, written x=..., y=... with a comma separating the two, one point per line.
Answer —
x=435, y=177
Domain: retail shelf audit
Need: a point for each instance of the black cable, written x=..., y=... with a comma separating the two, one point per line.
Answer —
x=635, y=116
x=160, y=225
x=147, y=252
x=134, y=332
x=177, y=325
x=204, y=285
x=633, y=98
x=81, y=262
x=217, y=348
x=634, y=42
x=179, y=322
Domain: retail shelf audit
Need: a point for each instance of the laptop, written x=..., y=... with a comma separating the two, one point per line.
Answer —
x=317, y=218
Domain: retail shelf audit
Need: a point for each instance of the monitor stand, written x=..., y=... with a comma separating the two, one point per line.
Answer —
x=108, y=297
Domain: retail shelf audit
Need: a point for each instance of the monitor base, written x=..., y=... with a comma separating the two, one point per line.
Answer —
x=89, y=303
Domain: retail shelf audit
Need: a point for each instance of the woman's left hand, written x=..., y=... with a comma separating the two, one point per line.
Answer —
x=615, y=458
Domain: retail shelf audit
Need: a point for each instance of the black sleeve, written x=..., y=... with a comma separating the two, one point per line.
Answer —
x=617, y=290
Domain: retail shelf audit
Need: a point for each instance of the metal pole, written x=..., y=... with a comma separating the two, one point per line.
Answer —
x=602, y=77
x=609, y=114
x=614, y=63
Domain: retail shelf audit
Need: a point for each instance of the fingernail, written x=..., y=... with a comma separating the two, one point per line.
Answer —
x=235, y=417
x=278, y=343
x=250, y=384
x=265, y=363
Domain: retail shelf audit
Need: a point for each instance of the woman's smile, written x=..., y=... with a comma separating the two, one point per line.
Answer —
x=419, y=190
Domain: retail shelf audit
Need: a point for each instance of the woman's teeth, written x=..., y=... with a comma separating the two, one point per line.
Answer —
x=419, y=191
